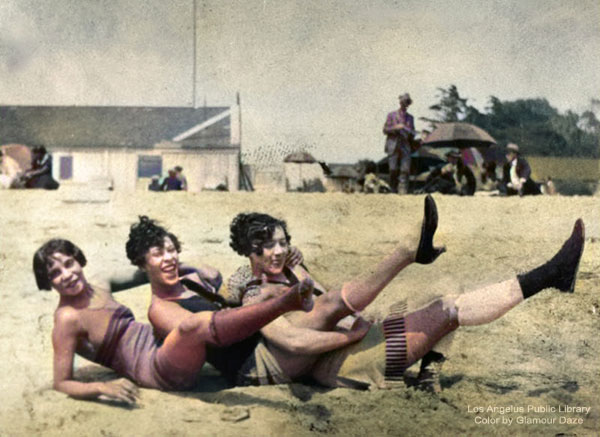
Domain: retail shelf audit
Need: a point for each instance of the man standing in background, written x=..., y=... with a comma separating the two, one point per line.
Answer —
x=399, y=128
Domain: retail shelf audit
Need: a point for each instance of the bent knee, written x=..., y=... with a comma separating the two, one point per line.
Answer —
x=196, y=324
x=450, y=308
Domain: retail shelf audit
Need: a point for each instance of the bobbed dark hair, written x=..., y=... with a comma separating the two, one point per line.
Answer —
x=250, y=231
x=41, y=259
x=143, y=235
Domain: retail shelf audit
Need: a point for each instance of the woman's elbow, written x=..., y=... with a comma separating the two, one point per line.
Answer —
x=60, y=386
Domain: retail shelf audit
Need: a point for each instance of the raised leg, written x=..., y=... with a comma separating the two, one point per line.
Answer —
x=491, y=302
x=360, y=292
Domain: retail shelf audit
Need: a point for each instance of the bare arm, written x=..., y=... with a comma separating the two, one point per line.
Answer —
x=301, y=273
x=131, y=277
x=126, y=278
x=296, y=340
x=64, y=341
x=304, y=341
x=294, y=257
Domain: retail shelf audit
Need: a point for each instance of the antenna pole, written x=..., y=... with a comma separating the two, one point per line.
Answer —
x=194, y=54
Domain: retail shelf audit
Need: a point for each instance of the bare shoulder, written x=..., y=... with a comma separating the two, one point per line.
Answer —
x=159, y=306
x=66, y=319
x=66, y=314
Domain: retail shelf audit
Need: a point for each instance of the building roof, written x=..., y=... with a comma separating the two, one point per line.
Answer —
x=115, y=126
x=300, y=158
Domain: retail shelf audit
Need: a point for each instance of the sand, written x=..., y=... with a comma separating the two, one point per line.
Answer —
x=542, y=356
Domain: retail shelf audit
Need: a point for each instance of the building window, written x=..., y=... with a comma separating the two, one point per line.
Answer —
x=66, y=167
x=149, y=165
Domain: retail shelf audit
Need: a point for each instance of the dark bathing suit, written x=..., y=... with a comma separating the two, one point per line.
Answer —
x=227, y=360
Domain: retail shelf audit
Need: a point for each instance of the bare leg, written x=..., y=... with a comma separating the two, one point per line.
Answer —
x=360, y=292
x=489, y=303
x=331, y=307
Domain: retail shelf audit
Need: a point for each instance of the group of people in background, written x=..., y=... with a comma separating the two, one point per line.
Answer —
x=175, y=181
x=455, y=177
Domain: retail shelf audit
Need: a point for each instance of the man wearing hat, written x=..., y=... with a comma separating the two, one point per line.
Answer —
x=517, y=174
x=399, y=128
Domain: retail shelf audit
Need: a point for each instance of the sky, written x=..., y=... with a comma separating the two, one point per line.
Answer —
x=314, y=75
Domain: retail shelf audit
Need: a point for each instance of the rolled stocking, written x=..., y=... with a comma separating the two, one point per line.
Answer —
x=232, y=325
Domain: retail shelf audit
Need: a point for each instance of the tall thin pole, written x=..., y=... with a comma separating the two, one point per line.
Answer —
x=239, y=105
x=194, y=54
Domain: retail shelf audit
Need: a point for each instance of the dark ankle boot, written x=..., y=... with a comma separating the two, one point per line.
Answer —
x=426, y=252
x=561, y=271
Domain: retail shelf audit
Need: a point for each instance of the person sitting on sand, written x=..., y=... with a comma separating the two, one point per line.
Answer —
x=516, y=174
x=40, y=173
x=391, y=346
x=174, y=301
x=453, y=178
x=154, y=184
x=89, y=322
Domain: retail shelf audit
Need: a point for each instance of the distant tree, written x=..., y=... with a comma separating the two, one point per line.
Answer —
x=589, y=122
x=534, y=124
x=450, y=108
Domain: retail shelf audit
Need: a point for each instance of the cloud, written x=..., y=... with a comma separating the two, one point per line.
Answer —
x=316, y=73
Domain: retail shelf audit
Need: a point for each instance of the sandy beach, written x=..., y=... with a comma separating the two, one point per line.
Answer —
x=533, y=372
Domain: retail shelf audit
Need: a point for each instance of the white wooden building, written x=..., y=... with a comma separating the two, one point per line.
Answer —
x=125, y=146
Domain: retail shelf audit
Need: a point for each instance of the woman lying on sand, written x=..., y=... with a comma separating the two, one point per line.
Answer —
x=89, y=322
x=174, y=299
x=392, y=345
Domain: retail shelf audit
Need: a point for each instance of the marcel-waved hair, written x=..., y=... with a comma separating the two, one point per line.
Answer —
x=143, y=235
x=250, y=231
x=41, y=260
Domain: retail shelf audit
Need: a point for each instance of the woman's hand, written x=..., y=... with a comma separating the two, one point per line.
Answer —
x=359, y=329
x=294, y=257
x=122, y=390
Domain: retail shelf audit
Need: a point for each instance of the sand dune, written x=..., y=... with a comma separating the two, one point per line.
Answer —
x=544, y=353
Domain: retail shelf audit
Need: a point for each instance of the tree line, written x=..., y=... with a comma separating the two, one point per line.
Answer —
x=537, y=127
